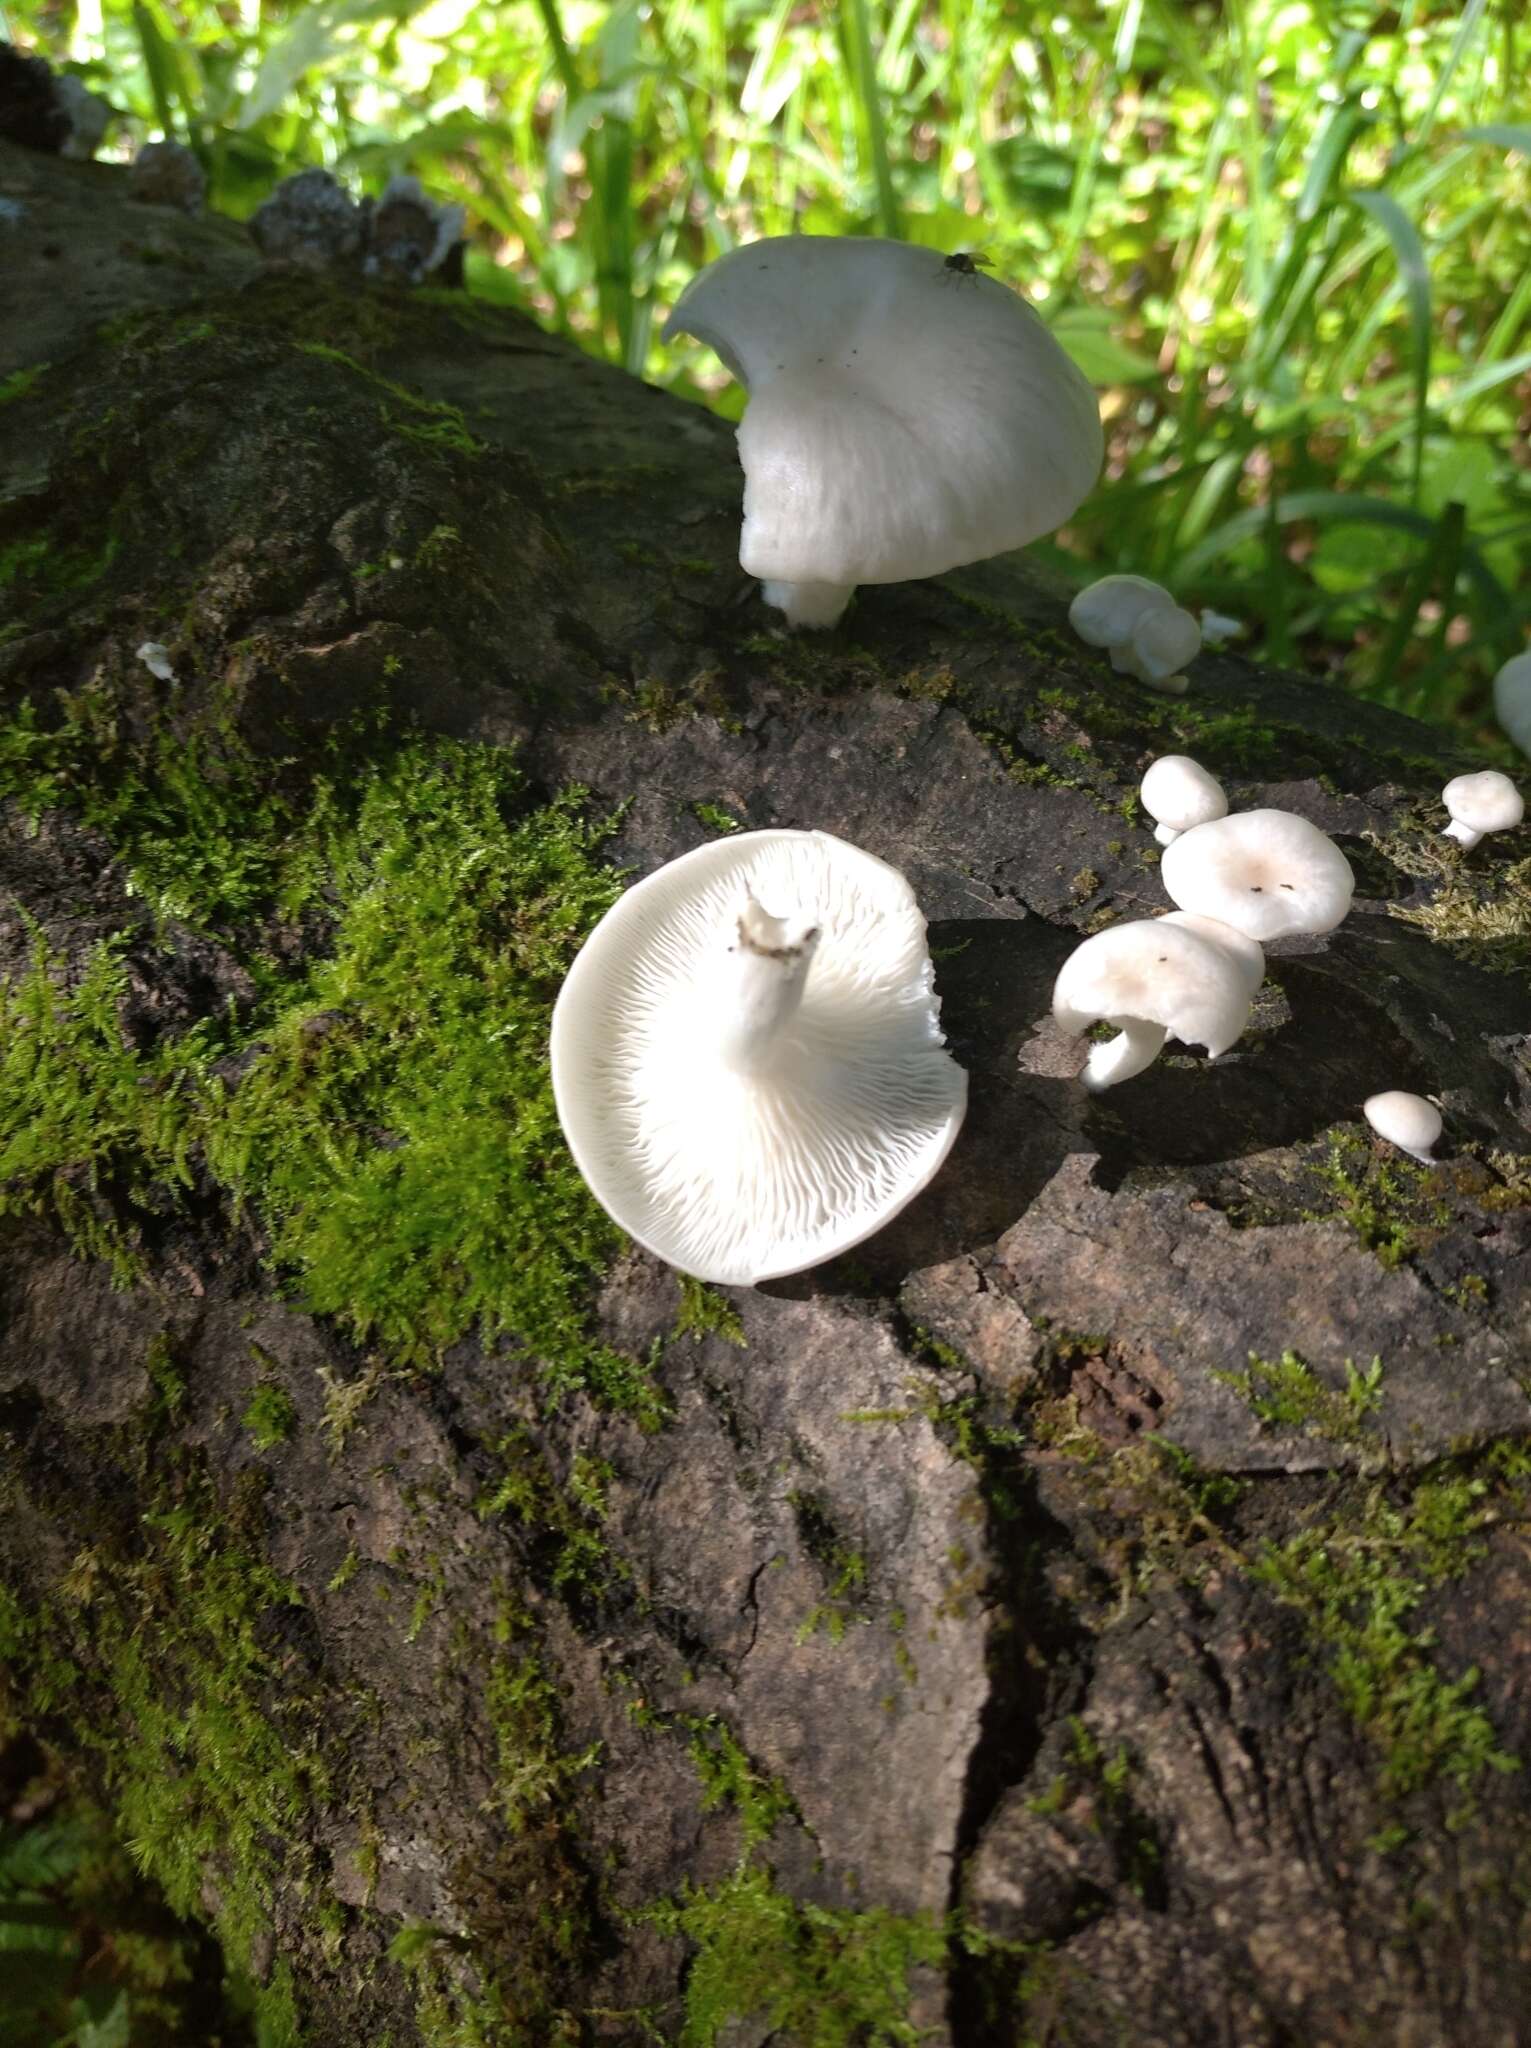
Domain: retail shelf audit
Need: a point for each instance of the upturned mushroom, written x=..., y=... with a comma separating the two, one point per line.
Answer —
x=902, y=419
x=747, y=1056
x=1178, y=793
x=1407, y=1121
x=1268, y=874
x=1479, y=804
x=1176, y=976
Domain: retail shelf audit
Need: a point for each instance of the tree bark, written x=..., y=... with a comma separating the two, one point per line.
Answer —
x=1046, y=1624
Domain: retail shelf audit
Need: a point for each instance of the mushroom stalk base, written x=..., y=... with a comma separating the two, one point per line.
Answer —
x=1465, y=833
x=809, y=604
x=1136, y=1046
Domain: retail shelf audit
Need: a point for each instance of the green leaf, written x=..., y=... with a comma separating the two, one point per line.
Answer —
x=1087, y=338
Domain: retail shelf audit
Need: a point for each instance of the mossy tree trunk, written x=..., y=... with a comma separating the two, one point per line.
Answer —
x=1094, y=1611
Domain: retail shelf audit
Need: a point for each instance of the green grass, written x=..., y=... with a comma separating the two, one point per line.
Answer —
x=1293, y=245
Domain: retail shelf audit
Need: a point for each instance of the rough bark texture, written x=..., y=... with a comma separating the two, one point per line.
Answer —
x=1045, y=1625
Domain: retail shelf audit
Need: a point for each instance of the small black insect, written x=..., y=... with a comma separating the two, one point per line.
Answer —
x=965, y=264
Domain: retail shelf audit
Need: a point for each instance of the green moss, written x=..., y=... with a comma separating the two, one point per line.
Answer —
x=706, y=1313
x=429, y=421
x=1358, y=1577
x=729, y=1777
x=842, y=1566
x=271, y=1416
x=715, y=818
x=565, y=1521
x=1480, y=911
x=20, y=382
x=201, y=1730
x=817, y=1977
x=1287, y=1394
x=1390, y=1204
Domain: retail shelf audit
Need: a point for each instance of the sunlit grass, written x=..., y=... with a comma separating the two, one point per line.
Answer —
x=1294, y=251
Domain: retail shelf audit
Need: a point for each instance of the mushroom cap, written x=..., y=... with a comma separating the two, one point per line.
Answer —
x=1164, y=638
x=740, y=1177
x=1487, y=801
x=1512, y=700
x=1246, y=952
x=1156, y=972
x=1266, y=873
x=1407, y=1121
x=903, y=419
x=1104, y=613
x=1179, y=792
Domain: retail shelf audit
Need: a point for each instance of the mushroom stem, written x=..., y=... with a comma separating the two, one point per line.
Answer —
x=809, y=604
x=1166, y=834
x=1457, y=829
x=766, y=968
x=1136, y=1046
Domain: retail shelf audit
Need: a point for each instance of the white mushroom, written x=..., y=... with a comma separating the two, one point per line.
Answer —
x=1104, y=613
x=902, y=419
x=155, y=656
x=1485, y=802
x=1147, y=633
x=1178, y=793
x=1512, y=700
x=747, y=1056
x=1153, y=979
x=1407, y=1121
x=1266, y=873
x=1164, y=639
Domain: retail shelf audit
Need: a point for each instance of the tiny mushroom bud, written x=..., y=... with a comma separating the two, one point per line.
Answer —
x=1269, y=874
x=1485, y=802
x=1407, y=1121
x=155, y=656
x=1512, y=700
x=1178, y=793
x=747, y=1056
x=893, y=429
x=1153, y=979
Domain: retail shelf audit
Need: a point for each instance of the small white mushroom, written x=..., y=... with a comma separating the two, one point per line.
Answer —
x=1163, y=640
x=1512, y=700
x=1485, y=802
x=1216, y=627
x=1153, y=979
x=1178, y=793
x=1104, y=613
x=1407, y=1121
x=1267, y=873
x=155, y=656
x=747, y=1056
x=895, y=428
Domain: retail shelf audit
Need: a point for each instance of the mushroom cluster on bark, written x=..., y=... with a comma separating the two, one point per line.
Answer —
x=1141, y=627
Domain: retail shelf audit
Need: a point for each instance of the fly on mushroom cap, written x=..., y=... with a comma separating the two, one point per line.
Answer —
x=894, y=429
x=1155, y=979
x=1485, y=802
x=1269, y=874
x=747, y=1056
x=1178, y=793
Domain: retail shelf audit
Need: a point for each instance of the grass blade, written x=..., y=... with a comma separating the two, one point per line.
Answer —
x=1414, y=276
x=874, y=138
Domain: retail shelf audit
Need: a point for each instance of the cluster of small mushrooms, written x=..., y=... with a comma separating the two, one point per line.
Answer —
x=780, y=1087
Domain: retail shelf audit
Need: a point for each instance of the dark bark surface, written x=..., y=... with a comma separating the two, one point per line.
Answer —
x=1046, y=1624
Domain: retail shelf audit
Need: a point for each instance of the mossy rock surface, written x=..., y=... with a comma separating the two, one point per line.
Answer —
x=1086, y=1613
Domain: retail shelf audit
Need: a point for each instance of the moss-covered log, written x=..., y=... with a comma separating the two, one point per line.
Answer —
x=1095, y=1611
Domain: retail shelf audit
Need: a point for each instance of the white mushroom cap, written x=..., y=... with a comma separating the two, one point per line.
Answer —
x=1266, y=873
x=748, y=1094
x=903, y=419
x=1104, y=613
x=1512, y=700
x=1152, y=979
x=1485, y=802
x=1248, y=954
x=1407, y=1121
x=1164, y=638
x=1178, y=793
